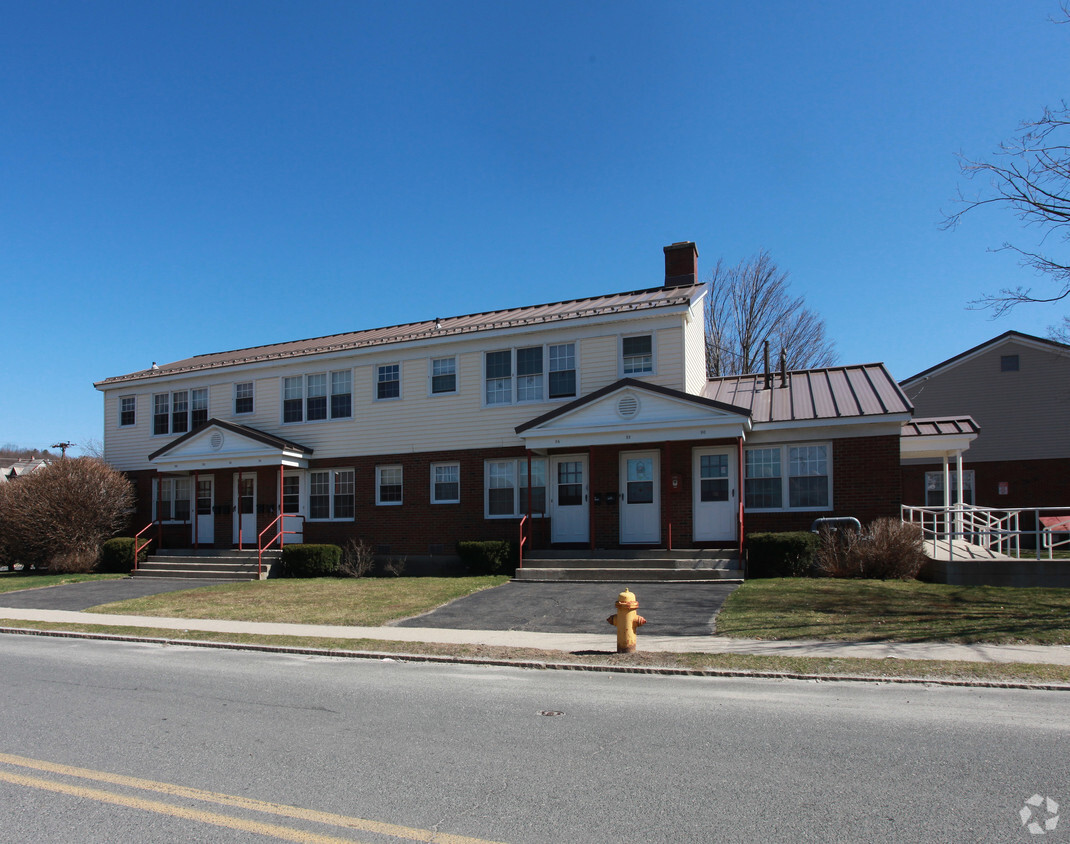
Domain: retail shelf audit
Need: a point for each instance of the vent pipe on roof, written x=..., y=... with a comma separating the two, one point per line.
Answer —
x=768, y=375
x=783, y=367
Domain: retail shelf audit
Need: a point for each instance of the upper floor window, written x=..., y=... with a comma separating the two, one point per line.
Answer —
x=542, y=372
x=243, y=397
x=180, y=411
x=637, y=354
x=443, y=375
x=127, y=410
x=305, y=397
x=388, y=381
x=1008, y=363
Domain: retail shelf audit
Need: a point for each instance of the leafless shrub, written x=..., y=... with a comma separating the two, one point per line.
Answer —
x=358, y=558
x=396, y=566
x=888, y=549
x=61, y=514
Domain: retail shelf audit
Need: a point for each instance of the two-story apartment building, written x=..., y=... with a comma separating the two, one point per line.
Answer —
x=593, y=417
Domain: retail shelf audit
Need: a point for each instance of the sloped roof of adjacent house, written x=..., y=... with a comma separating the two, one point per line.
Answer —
x=616, y=303
x=1006, y=336
x=835, y=392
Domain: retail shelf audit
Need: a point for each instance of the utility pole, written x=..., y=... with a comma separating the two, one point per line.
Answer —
x=63, y=447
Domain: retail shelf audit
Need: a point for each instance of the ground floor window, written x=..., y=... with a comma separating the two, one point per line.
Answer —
x=172, y=500
x=788, y=477
x=934, y=488
x=506, y=487
x=445, y=483
x=331, y=494
x=388, y=489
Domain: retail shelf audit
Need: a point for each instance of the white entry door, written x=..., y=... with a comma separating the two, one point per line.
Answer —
x=715, y=495
x=204, y=526
x=640, y=498
x=245, y=509
x=569, y=520
x=293, y=504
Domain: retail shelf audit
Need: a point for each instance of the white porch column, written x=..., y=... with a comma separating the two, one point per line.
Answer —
x=961, y=492
x=947, y=498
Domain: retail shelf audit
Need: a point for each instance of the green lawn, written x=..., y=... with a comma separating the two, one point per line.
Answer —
x=364, y=602
x=13, y=581
x=905, y=611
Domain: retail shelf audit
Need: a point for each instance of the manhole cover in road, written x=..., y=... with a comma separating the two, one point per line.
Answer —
x=550, y=712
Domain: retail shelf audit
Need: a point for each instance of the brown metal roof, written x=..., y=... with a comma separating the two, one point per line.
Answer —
x=831, y=393
x=940, y=426
x=615, y=303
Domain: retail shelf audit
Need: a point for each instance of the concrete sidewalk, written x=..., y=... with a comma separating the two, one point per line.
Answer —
x=570, y=642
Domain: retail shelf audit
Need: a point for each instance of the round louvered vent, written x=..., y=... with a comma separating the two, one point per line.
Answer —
x=216, y=442
x=628, y=406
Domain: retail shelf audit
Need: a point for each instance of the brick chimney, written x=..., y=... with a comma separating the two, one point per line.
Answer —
x=681, y=264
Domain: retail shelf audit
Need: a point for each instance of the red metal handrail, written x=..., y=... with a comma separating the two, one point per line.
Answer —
x=261, y=547
x=139, y=548
x=523, y=540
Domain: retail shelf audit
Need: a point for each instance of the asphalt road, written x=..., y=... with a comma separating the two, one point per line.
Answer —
x=473, y=751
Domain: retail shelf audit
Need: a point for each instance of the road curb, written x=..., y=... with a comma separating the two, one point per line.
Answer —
x=536, y=664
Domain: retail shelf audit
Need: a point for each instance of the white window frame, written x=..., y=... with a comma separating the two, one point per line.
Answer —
x=337, y=378
x=169, y=409
x=456, y=467
x=166, y=489
x=629, y=373
x=519, y=468
x=199, y=396
x=379, y=485
x=431, y=376
x=785, y=476
x=333, y=494
x=327, y=394
x=132, y=411
x=379, y=367
x=543, y=375
x=252, y=397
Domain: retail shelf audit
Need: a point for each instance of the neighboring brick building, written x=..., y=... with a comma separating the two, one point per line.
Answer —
x=593, y=416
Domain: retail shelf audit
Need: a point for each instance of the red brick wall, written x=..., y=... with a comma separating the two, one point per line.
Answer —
x=866, y=484
x=1030, y=483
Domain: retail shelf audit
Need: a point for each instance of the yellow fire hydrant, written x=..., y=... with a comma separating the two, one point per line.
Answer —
x=626, y=620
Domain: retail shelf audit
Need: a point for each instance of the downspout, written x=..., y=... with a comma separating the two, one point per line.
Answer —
x=739, y=490
x=666, y=486
x=587, y=499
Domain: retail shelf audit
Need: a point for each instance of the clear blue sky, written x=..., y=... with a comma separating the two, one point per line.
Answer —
x=187, y=177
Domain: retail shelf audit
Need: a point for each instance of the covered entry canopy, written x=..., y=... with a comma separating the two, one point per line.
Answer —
x=223, y=445
x=630, y=411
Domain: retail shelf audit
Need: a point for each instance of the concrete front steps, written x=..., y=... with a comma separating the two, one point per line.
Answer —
x=697, y=564
x=214, y=564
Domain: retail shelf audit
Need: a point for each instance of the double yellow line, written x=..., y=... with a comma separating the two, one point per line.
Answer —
x=285, y=833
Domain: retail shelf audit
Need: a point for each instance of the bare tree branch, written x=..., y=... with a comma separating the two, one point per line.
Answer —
x=751, y=303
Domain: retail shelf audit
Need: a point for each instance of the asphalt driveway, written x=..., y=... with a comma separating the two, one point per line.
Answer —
x=81, y=596
x=671, y=609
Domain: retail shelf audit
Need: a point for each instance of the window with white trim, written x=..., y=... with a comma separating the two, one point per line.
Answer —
x=541, y=373
x=243, y=398
x=388, y=381
x=505, y=487
x=388, y=485
x=171, y=502
x=807, y=468
x=331, y=495
x=934, y=488
x=445, y=483
x=317, y=396
x=637, y=354
x=443, y=376
x=127, y=411
x=180, y=411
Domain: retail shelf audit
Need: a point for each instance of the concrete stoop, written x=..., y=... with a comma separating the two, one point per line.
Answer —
x=651, y=565
x=213, y=564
